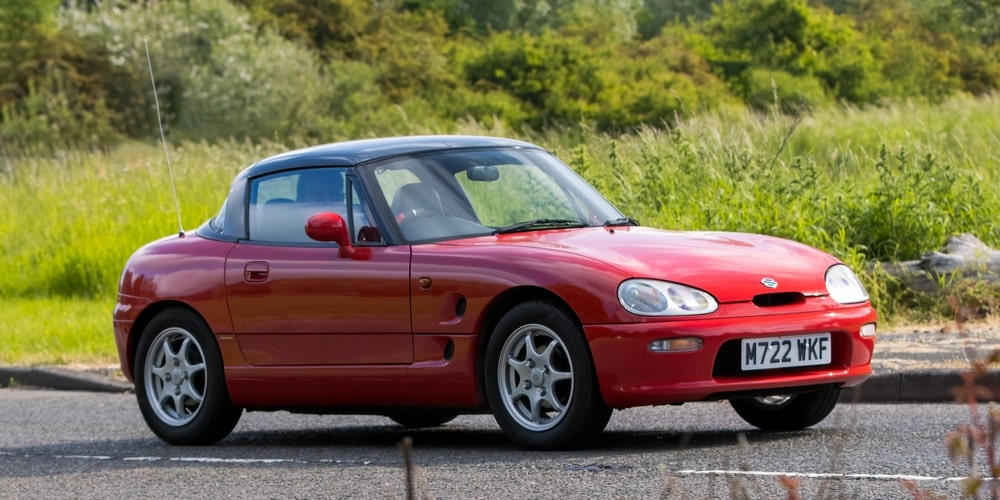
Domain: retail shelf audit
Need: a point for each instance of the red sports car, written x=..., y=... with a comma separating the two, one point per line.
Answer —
x=425, y=277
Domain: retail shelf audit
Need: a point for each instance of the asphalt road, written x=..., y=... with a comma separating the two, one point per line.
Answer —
x=56, y=444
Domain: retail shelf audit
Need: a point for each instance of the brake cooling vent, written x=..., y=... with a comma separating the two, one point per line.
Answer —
x=778, y=299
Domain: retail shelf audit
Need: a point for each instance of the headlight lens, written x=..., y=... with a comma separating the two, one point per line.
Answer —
x=844, y=286
x=648, y=297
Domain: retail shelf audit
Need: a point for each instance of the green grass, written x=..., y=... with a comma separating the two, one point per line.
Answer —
x=56, y=331
x=77, y=218
x=866, y=185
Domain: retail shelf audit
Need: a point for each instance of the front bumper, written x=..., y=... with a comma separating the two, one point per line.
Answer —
x=630, y=374
x=126, y=311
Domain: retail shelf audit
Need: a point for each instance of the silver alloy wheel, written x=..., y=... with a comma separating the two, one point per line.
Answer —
x=774, y=400
x=535, y=374
x=175, y=376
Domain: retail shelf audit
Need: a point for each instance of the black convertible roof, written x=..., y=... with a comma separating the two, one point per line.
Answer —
x=354, y=152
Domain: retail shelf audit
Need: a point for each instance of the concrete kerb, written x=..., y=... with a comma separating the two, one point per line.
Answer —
x=919, y=386
x=59, y=378
x=916, y=386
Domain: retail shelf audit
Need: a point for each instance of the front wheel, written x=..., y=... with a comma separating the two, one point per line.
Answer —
x=787, y=412
x=179, y=381
x=540, y=380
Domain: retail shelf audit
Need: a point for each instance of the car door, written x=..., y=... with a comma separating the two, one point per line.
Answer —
x=296, y=302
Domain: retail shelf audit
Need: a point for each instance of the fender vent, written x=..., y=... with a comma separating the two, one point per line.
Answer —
x=778, y=299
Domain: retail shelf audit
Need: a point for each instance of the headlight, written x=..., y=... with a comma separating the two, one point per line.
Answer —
x=662, y=298
x=844, y=286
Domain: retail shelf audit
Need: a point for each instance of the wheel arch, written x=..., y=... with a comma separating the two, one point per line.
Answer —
x=503, y=303
x=143, y=320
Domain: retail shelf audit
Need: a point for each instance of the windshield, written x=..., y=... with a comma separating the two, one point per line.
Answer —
x=488, y=191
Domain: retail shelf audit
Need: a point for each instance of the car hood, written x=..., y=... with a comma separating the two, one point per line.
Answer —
x=730, y=266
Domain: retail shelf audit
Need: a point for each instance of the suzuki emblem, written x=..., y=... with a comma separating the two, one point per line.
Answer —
x=768, y=282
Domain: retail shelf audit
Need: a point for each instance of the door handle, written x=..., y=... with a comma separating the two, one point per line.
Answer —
x=255, y=271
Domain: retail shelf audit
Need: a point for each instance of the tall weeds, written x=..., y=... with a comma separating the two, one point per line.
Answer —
x=866, y=185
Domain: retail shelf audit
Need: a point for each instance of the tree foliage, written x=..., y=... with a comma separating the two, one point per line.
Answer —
x=57, y=89
x=555, y=77
x=218, y=76
x=74, y=73
x=657, y=14
x=333, y=28
x=26, y=31
x=790, y=37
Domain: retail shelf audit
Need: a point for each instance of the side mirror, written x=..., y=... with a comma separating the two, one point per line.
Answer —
x=330, y=227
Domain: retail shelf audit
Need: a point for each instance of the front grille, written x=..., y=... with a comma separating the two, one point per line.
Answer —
x=778, y=299
x=727, y=361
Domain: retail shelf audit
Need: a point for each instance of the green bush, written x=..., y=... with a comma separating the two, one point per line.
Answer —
x=912, y=203
x=557, y=78
x=916, y=61
x=331, y=28
x=25, y=30
x=560, y=80
x=655, y=14
x=979, y=68
x=53, y=117
x=794, y=38
x=778, y=91
x=57, y=90
x=487, y=107
x=656, y=83
x=408, y=49
x=217, y=76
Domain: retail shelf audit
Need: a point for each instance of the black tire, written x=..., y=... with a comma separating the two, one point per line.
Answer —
x=417, y=420
x=187, y=404
x=540, y=380
x=788, y=413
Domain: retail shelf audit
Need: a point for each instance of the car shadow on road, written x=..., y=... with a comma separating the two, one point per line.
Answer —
x=379, y=445
x=457, y=439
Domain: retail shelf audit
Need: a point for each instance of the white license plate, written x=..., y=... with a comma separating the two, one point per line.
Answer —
x=784, y=352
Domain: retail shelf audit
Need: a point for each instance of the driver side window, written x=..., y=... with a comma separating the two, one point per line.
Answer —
x=280, y=204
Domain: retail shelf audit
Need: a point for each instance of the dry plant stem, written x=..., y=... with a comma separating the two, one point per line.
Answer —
x=979, y=434
x=919, y=494
x=791, y=486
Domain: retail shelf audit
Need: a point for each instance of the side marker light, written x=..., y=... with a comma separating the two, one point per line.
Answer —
x=683, y=344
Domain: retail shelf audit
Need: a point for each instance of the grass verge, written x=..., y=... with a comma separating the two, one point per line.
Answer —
x=56, y=331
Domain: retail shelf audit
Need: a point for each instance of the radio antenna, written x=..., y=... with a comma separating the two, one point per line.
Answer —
x=163, y=139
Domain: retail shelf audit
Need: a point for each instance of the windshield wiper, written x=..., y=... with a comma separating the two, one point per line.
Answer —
x=539, y=224
x=624, y=221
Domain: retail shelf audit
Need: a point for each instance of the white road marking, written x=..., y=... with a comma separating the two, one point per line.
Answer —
x=213, y=460
x=687, y=472
x=816, y=475
x=205, y=460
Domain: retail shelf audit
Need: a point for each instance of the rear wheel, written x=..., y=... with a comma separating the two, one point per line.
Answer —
x=179, y=381
x=787, y=412
x=540, y=380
